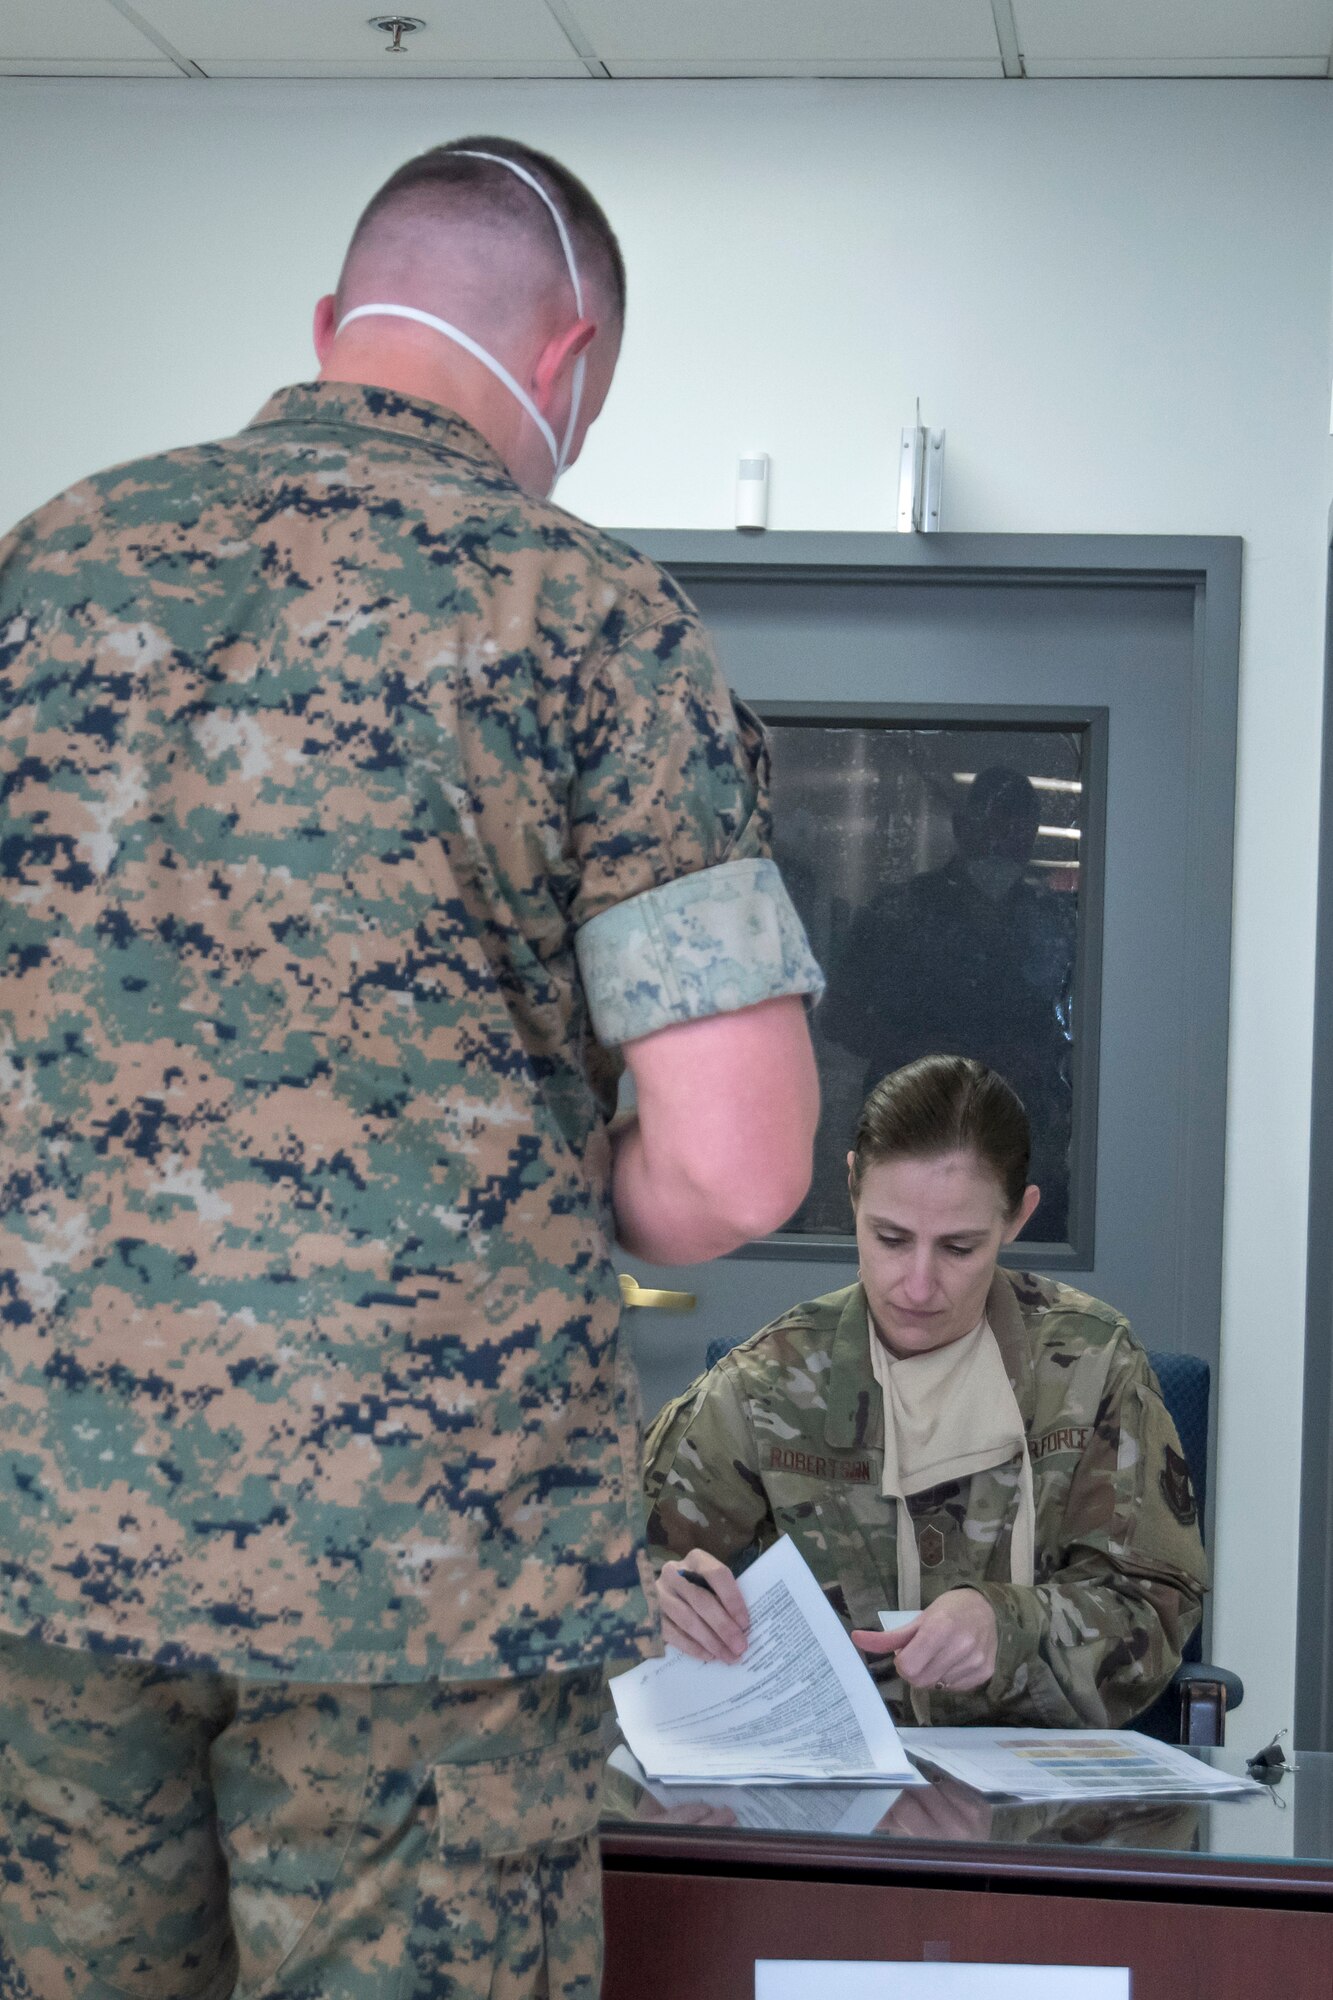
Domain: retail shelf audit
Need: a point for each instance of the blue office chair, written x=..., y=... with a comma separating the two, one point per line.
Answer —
x=1193, y=1709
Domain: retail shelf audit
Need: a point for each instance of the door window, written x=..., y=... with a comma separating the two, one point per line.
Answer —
x=940, y=872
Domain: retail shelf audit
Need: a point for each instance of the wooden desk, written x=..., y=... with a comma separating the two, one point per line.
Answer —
x=688, y=1910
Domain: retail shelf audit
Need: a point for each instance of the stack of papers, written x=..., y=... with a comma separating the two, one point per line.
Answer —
x=1034, y=1765
x=799, y=1708
x=848, y=1809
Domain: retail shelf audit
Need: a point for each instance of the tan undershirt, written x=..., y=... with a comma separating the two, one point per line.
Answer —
x=948, y=1414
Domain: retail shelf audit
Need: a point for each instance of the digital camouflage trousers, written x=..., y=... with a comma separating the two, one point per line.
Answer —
x=181, y=1836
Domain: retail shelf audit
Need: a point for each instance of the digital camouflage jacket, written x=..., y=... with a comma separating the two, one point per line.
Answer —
x=354, y=806
x=785, y=1436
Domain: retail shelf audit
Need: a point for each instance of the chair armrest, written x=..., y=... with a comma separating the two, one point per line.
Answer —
x=1206, y=1693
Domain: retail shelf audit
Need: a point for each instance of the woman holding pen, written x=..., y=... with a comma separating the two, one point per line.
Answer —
x=986, y=1451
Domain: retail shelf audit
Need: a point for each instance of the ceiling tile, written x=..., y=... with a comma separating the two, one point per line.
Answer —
x=86, y=66
x=315, y=33
x=73, y=31
x=1175, y=66
x=820, y=66
x=1065, y=30
x=498, y=67
x=747, y=32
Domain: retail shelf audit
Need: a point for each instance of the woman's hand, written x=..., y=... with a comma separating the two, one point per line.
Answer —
x=694, y=1813
x=943, y=1810
x=951, y=1645
x=708, y=1624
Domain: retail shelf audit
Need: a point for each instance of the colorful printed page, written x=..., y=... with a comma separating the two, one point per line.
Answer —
x=1042, y=1764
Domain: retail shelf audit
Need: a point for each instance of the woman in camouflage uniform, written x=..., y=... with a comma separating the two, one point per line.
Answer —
x=1027, y=1495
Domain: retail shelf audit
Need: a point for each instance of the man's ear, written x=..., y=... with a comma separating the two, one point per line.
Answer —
x=559, y=354
x=324, y=328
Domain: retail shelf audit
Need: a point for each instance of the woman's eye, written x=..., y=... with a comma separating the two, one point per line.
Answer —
x=961, y=1249
x=892, y=1242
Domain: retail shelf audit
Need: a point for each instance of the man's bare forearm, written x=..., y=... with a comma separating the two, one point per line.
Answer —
x=663, y=1212
x=722, y=1147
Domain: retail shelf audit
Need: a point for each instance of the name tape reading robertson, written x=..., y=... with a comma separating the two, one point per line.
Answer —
x=782, y=1458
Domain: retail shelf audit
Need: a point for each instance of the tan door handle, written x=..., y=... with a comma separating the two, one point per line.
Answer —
x=632, y=1293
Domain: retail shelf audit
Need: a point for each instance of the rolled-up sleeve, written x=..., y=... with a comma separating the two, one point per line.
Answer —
x=709, y=943
x=680, y=913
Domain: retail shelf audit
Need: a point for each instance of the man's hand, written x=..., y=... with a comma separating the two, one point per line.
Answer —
x=951, y=1645
x=708, y=1624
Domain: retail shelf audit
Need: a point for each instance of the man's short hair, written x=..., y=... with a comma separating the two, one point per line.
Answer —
x=445, y=183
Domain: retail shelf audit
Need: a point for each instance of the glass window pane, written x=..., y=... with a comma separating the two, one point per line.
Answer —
x=938, y=873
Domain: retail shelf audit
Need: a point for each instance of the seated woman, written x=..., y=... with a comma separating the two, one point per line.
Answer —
x=942, y=1436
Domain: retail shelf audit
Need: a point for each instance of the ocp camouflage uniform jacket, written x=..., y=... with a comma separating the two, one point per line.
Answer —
x=354, y=807
x=785, y=1436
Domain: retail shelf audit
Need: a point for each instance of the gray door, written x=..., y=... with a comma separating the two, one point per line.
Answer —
x=1126, y=648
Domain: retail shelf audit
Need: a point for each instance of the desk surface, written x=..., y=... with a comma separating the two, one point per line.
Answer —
x=1277, y=1845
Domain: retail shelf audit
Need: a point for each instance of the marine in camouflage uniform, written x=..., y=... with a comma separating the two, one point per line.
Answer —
x=414, y=1839
x=786, y=1436
x=356, y=806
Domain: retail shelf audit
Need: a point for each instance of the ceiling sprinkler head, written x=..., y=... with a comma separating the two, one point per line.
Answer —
x=396, y=25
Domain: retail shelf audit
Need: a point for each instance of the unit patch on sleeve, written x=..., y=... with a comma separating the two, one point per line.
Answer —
x=1177, y=1489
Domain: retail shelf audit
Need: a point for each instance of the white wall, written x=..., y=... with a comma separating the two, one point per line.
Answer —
x=1115, y=296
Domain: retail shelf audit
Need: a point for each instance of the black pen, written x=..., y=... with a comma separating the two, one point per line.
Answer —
x=699, y=1582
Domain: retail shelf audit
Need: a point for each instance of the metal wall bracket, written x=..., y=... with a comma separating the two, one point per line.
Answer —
x=920, y=480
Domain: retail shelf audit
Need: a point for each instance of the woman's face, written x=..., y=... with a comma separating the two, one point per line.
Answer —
x=928, y=1233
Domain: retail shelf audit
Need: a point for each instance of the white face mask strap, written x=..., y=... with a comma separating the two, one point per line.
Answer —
x=576, y=398
x=472, y=347
x=497, y=159
x=559, y=453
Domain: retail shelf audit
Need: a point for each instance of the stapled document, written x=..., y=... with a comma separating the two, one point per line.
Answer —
x=843, y=1809
x=798, y=1708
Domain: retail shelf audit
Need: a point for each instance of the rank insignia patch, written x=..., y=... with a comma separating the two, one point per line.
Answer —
x=930, y=1546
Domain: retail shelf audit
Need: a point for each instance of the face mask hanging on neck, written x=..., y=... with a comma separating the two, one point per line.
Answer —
x=559, y=452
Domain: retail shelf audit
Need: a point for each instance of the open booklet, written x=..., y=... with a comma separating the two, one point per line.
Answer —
x=798, y=1708
x=1033, y=1765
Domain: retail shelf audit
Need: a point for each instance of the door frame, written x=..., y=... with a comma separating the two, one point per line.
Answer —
x=1314, y=1620
x=1210, y=567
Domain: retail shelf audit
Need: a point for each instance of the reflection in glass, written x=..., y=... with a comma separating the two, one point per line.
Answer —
x=937, y=872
